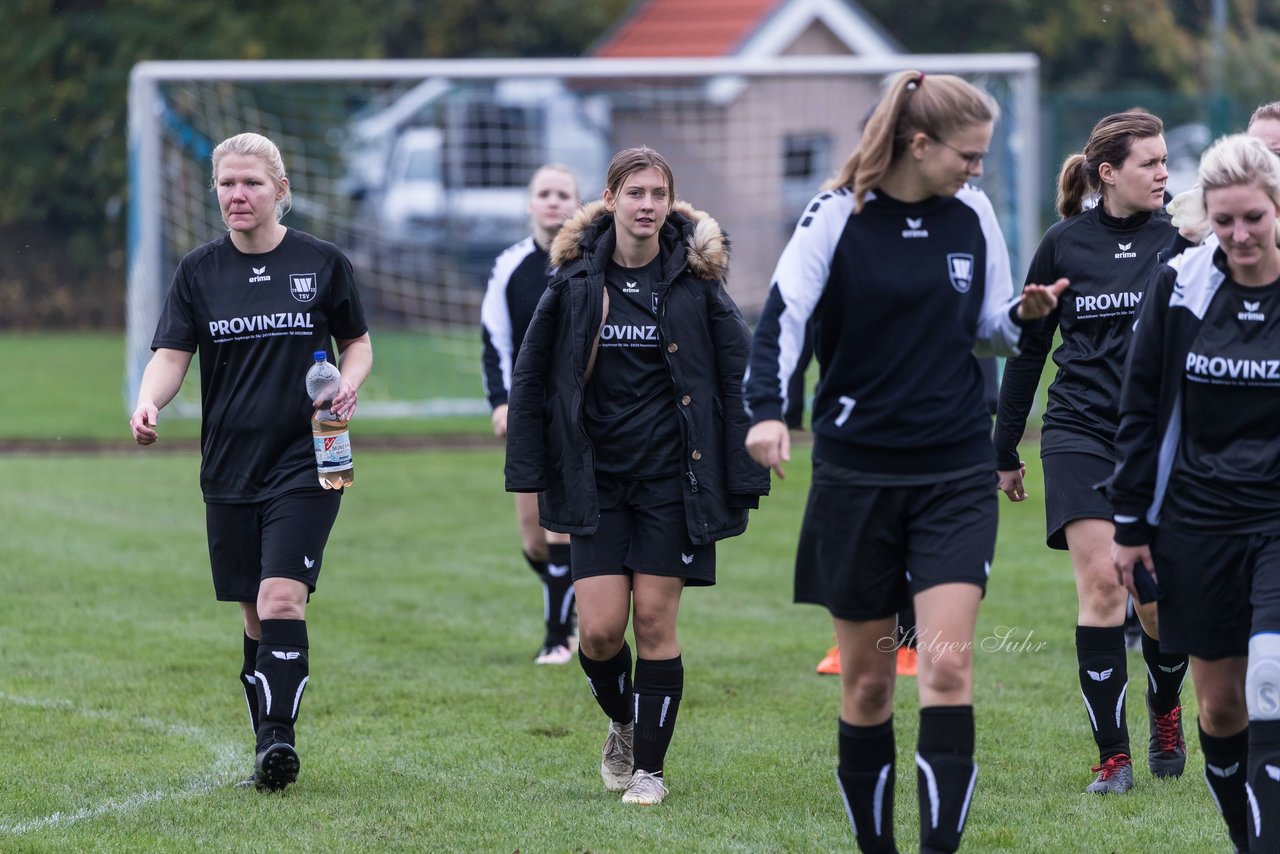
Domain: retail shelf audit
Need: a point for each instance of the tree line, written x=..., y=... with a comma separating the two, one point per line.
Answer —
x=63, y=88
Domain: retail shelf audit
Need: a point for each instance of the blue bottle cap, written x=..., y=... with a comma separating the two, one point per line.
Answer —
x=320, y=355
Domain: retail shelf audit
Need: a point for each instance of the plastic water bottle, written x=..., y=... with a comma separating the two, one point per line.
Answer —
x=329, y=432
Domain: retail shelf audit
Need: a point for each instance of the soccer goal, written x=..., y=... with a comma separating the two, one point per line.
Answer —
x=417, y=170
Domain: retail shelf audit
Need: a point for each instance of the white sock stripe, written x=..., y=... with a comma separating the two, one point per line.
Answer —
x=1093, y=720
x=297, y=698
x=844, y=797
x=931, y=789
x=877, y=803
x=565, y=605
x=266, y=690
x=1253, y=807
x=635, y=715
x=968, y=796
x=1120, y=703
x=546, y=604
x=1212, y=793
x=662, y=716
x=1151, y=677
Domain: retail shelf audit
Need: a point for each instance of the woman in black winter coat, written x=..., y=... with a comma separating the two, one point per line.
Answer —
x=626, y=415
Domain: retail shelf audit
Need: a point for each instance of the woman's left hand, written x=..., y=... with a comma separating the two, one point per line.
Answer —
x=344, y=402
x=1039, y=300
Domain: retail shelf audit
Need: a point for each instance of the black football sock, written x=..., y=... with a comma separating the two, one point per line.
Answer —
x=1264, y=784
x=658, y=688
x=945, y=775
x=866, y=777
x=249, y=681
x=610, y=683
x=1104, y=680
x=1165, y=674
x=1226, y=761
x=539, y=567
x=558, y=594
x=282, y=673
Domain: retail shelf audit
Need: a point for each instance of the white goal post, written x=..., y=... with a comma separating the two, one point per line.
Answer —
x=417, y=170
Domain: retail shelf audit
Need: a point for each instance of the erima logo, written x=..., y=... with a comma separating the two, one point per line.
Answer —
x=308, y=562
x=1237, y=369
x=1251, y=311
x=1273, y=772
x=556, y=570
x=688, y=559
x=914, y=228
x=1102, y=676
x=627, y=332
x=259, y=274
x=1124, y=250
x=260, y=323
x=1106, y=302
x=286, y=656
x=1173, y=669
x=302, y=286
x=960, y=269
x=1219, y=771
x=631, y=288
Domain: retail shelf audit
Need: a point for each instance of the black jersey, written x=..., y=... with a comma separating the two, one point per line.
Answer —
x=901, y=295
x=1108, y=261
x=518, y=279
x=628, y=413
x=1226, y=472
x=255, y=321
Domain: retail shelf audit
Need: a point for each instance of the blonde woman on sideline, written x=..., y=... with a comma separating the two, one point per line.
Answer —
x=516, y=284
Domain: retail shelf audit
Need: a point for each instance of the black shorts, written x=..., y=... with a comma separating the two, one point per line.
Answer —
x=866, y=550
x=282, y=537
x=1216, y=590
x=642, y=529
x=1069, y=495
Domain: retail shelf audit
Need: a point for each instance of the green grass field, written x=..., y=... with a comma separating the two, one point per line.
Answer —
x=427, y=727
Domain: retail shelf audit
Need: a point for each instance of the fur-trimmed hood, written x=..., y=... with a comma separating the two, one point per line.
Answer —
x=706, y=247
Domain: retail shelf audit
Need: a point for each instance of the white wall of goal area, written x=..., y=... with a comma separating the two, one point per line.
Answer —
x=416, y=170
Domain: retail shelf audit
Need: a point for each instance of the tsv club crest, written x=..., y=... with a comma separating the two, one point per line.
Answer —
x=960, y=268
x=302, y=286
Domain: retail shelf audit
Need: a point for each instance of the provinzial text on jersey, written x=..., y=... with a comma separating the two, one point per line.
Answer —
x=1103, y=302
x=261, y=323
x=1222, y=366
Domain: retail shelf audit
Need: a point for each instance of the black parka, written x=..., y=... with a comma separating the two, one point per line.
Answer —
x=704, y=343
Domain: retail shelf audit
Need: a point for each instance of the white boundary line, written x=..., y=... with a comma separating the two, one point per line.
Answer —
x=226, y=761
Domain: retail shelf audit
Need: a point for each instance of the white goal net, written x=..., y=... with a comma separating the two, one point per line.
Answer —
x=417, y=170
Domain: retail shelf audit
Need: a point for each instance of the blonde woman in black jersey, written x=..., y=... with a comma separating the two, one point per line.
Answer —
x=256, y=304
x=1197, y=487
x=1107, y=252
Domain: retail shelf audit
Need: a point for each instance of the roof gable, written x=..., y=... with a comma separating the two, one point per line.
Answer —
x=697, y=28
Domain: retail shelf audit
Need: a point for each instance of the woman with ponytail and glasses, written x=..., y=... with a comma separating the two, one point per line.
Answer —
x=902, y=268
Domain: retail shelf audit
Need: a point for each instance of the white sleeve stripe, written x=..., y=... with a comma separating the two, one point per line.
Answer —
x=495, y=317
x=997, y=332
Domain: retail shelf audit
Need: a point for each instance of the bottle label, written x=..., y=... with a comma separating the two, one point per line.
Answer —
x=333, y=451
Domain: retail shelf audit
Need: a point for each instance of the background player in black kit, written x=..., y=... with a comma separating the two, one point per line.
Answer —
x=256, y=304
x=1108, y=253
x=626, y=414
x=516, y=284
x=1197, y=487
x=903, y=269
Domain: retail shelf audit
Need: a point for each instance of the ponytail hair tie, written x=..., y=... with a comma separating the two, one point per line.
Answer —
x=915, y=84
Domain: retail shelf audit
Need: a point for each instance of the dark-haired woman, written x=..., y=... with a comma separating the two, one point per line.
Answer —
x=1108, y=253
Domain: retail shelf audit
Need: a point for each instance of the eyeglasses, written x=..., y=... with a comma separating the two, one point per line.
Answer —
x=973, y=158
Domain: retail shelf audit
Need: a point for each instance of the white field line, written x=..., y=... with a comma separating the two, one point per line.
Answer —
x=226, y=761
